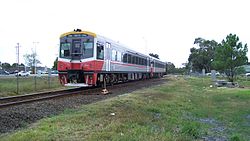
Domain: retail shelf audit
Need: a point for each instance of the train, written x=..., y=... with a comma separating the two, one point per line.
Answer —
x=87, y=59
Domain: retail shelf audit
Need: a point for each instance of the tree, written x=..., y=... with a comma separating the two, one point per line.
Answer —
x=170, y=68
x=31, y=60
x=14, y=65
x=229, y=55
x=6, y=66
x=55, y=64
x=201, y=58
x=154, y=55
x=181, y=70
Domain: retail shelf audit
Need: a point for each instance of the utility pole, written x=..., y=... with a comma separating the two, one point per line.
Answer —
x=17, y=81
x=34, y=43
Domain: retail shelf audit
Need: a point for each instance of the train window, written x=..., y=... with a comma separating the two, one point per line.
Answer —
x=137, y=60
x=152, y=64
x=119, y=56
x=140, y=61
x=125, y=58
x=161, y=66
x=129, y=58
x=87, y=49
x=65, y=50
x=100, y=51
x=133, y=59
x=77, y=45
x=114, y=55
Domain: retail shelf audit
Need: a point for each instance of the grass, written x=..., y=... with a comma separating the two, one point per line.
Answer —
x=180, y=109
x=8, y=86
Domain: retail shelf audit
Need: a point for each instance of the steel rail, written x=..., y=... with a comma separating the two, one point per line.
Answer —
x=28, y=98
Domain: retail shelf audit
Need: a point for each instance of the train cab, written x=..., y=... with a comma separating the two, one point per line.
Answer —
x=78, y=55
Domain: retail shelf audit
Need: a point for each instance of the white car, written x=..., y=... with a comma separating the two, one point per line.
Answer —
x=22, y=73
x=247, y=74
x=217, y=74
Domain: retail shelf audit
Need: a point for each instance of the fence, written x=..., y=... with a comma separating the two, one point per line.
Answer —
x=27, y=84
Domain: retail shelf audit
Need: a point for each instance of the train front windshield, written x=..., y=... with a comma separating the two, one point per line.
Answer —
x=77, y=46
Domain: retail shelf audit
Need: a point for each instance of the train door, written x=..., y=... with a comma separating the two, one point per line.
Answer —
x=152, y=68
x=147, y=63
x=107, y=56
x=76, y=50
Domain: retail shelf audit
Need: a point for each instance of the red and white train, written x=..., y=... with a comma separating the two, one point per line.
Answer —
x=88, y=59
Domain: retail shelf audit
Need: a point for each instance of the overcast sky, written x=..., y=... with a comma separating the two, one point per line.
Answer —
x=164, y=27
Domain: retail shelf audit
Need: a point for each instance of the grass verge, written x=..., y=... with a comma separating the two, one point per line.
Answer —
x=8, y=86
x=180, y=109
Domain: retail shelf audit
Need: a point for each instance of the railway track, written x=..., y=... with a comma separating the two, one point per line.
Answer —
x=28, y=98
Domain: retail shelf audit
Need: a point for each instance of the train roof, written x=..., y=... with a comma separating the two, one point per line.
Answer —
x=78, y=31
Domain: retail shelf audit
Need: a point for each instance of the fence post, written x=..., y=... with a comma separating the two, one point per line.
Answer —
x=49, y=76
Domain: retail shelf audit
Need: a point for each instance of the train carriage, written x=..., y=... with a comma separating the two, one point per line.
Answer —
x=88, y=59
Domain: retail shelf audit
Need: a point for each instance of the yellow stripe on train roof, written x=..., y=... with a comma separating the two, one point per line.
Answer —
x=81, y=32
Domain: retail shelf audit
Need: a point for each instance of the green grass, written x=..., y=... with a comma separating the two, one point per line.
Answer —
x=8, y=86
x=180, y=109
x=244, y=81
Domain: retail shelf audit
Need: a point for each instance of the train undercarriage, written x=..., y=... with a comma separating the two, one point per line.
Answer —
x=86, y=79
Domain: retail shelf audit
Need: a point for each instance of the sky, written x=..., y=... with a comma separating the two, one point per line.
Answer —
x=164, y=27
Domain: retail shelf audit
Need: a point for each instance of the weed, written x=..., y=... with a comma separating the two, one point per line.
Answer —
x=235, y=137
x=191, y=129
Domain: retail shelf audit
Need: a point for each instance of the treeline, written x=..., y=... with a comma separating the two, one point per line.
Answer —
x=226, y=56
x=8, y=66
x=171, y=69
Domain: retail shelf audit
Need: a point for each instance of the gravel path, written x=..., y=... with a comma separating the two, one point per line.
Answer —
x=15, y=117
